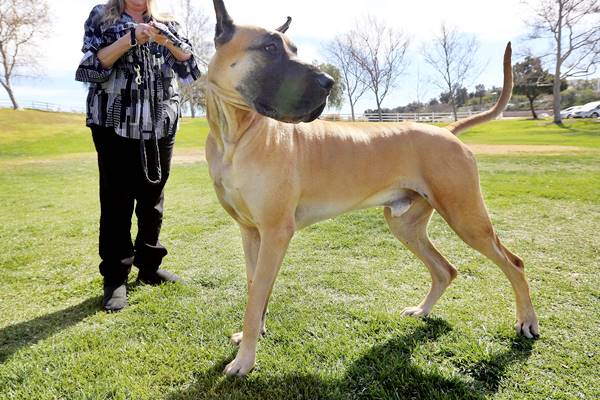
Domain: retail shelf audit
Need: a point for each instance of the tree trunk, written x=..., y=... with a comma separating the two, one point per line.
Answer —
x=379, y=112
x=453, y=104
x=351, y=106
x=11, y=95
x=556, y=93
x=532, y=107
x=192, y=108
x=556, y=89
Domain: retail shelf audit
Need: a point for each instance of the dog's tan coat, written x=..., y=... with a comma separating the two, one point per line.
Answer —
x=275, y=178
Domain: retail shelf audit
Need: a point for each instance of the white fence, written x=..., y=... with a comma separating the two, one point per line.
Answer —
x=399, y=117
x=386, y=117
x=42, y=106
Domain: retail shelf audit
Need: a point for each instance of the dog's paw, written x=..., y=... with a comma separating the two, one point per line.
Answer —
x=415, y=312
x=528, y=327
x=236, y=338
x=240, y=366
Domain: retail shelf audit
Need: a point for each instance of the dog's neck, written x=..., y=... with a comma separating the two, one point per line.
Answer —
x=229, y=117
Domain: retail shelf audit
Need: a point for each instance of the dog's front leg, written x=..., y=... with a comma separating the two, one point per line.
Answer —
x=273, y=245
x=251, y=243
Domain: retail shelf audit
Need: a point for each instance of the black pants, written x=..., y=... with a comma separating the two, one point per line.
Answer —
x=123, y=185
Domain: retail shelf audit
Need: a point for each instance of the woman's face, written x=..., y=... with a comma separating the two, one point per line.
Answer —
x=136, y=5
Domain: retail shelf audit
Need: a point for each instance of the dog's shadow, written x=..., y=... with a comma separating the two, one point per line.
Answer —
x=28, y=333
x=386, y=371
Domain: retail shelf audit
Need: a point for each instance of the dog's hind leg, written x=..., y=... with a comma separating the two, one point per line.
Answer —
x=468, y=217
x=411, y=229
x=251, y=244
x=457, y=197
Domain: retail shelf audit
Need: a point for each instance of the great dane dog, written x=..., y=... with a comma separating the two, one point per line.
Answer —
x=275, y=171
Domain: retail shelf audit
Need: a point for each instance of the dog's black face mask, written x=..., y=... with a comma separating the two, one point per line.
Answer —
x=282, y=87
x=275, y=83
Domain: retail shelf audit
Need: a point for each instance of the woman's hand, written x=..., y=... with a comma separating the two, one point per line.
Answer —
x=144, y=32
x=160, y=39
x=156, y=35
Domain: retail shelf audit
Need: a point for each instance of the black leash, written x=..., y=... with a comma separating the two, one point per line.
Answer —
x=146, y=61
x=147, y=65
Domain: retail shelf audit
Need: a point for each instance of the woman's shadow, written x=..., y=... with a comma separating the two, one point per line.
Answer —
x=386, y=371
x=28, y=333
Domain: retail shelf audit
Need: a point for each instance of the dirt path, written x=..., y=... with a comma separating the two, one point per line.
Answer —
x=187, y=156
x=181, y=157
x=524, y=149
x=193, y=156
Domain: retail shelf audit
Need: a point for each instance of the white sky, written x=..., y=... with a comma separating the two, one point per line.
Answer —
x=315, y=21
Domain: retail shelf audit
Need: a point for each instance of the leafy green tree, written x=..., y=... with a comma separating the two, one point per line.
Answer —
x=480, y=93
x=458, y=99
x=532, y=81
x=336, y=96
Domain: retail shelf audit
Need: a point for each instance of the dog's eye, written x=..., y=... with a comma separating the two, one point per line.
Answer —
x=271, y=48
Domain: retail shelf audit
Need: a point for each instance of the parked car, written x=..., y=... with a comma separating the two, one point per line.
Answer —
x=590, y=110
x=568, y=112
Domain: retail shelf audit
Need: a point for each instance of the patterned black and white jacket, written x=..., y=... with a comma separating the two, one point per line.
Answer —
x=115, y=99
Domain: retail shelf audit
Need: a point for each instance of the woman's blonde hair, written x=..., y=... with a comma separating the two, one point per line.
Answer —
x=115, y=8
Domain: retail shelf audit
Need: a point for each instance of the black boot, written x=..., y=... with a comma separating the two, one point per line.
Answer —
x=115, y=274
x=156, y=277
x=115, y=297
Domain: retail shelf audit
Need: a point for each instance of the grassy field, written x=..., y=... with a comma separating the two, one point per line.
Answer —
x=580, y=133
x=335, y=330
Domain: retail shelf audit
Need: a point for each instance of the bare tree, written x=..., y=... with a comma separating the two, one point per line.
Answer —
x=21, y=23
x=420, y=91
x=453, y=57
x=573, y=27
x=196, y=26
x=339, y=53
x=380, y=51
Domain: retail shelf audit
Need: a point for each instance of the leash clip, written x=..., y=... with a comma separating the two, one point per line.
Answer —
x=138, y=78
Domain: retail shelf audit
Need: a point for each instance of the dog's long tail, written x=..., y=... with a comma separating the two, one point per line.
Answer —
x=464, y=124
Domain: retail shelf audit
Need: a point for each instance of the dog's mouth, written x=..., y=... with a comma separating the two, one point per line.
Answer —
x=268, y=111
x=316, y=113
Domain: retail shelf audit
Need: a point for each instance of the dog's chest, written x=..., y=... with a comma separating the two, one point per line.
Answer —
x=228, y=191
x=231, y=193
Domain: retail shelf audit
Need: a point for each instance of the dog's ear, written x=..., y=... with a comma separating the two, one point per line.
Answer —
x=283, y=28
x=225, y=27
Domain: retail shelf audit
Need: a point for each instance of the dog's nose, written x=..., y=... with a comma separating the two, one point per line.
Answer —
x=325, y=81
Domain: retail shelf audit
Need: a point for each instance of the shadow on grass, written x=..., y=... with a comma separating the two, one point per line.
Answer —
x=488, y=373
x=589, y=131
x=15, y=337
x=384, y=372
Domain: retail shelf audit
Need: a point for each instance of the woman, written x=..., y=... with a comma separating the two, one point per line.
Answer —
x=132, y=58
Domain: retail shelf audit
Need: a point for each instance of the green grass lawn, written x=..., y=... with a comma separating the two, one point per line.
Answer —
x=580, y=133
x=335, y=330
x=34, y=134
